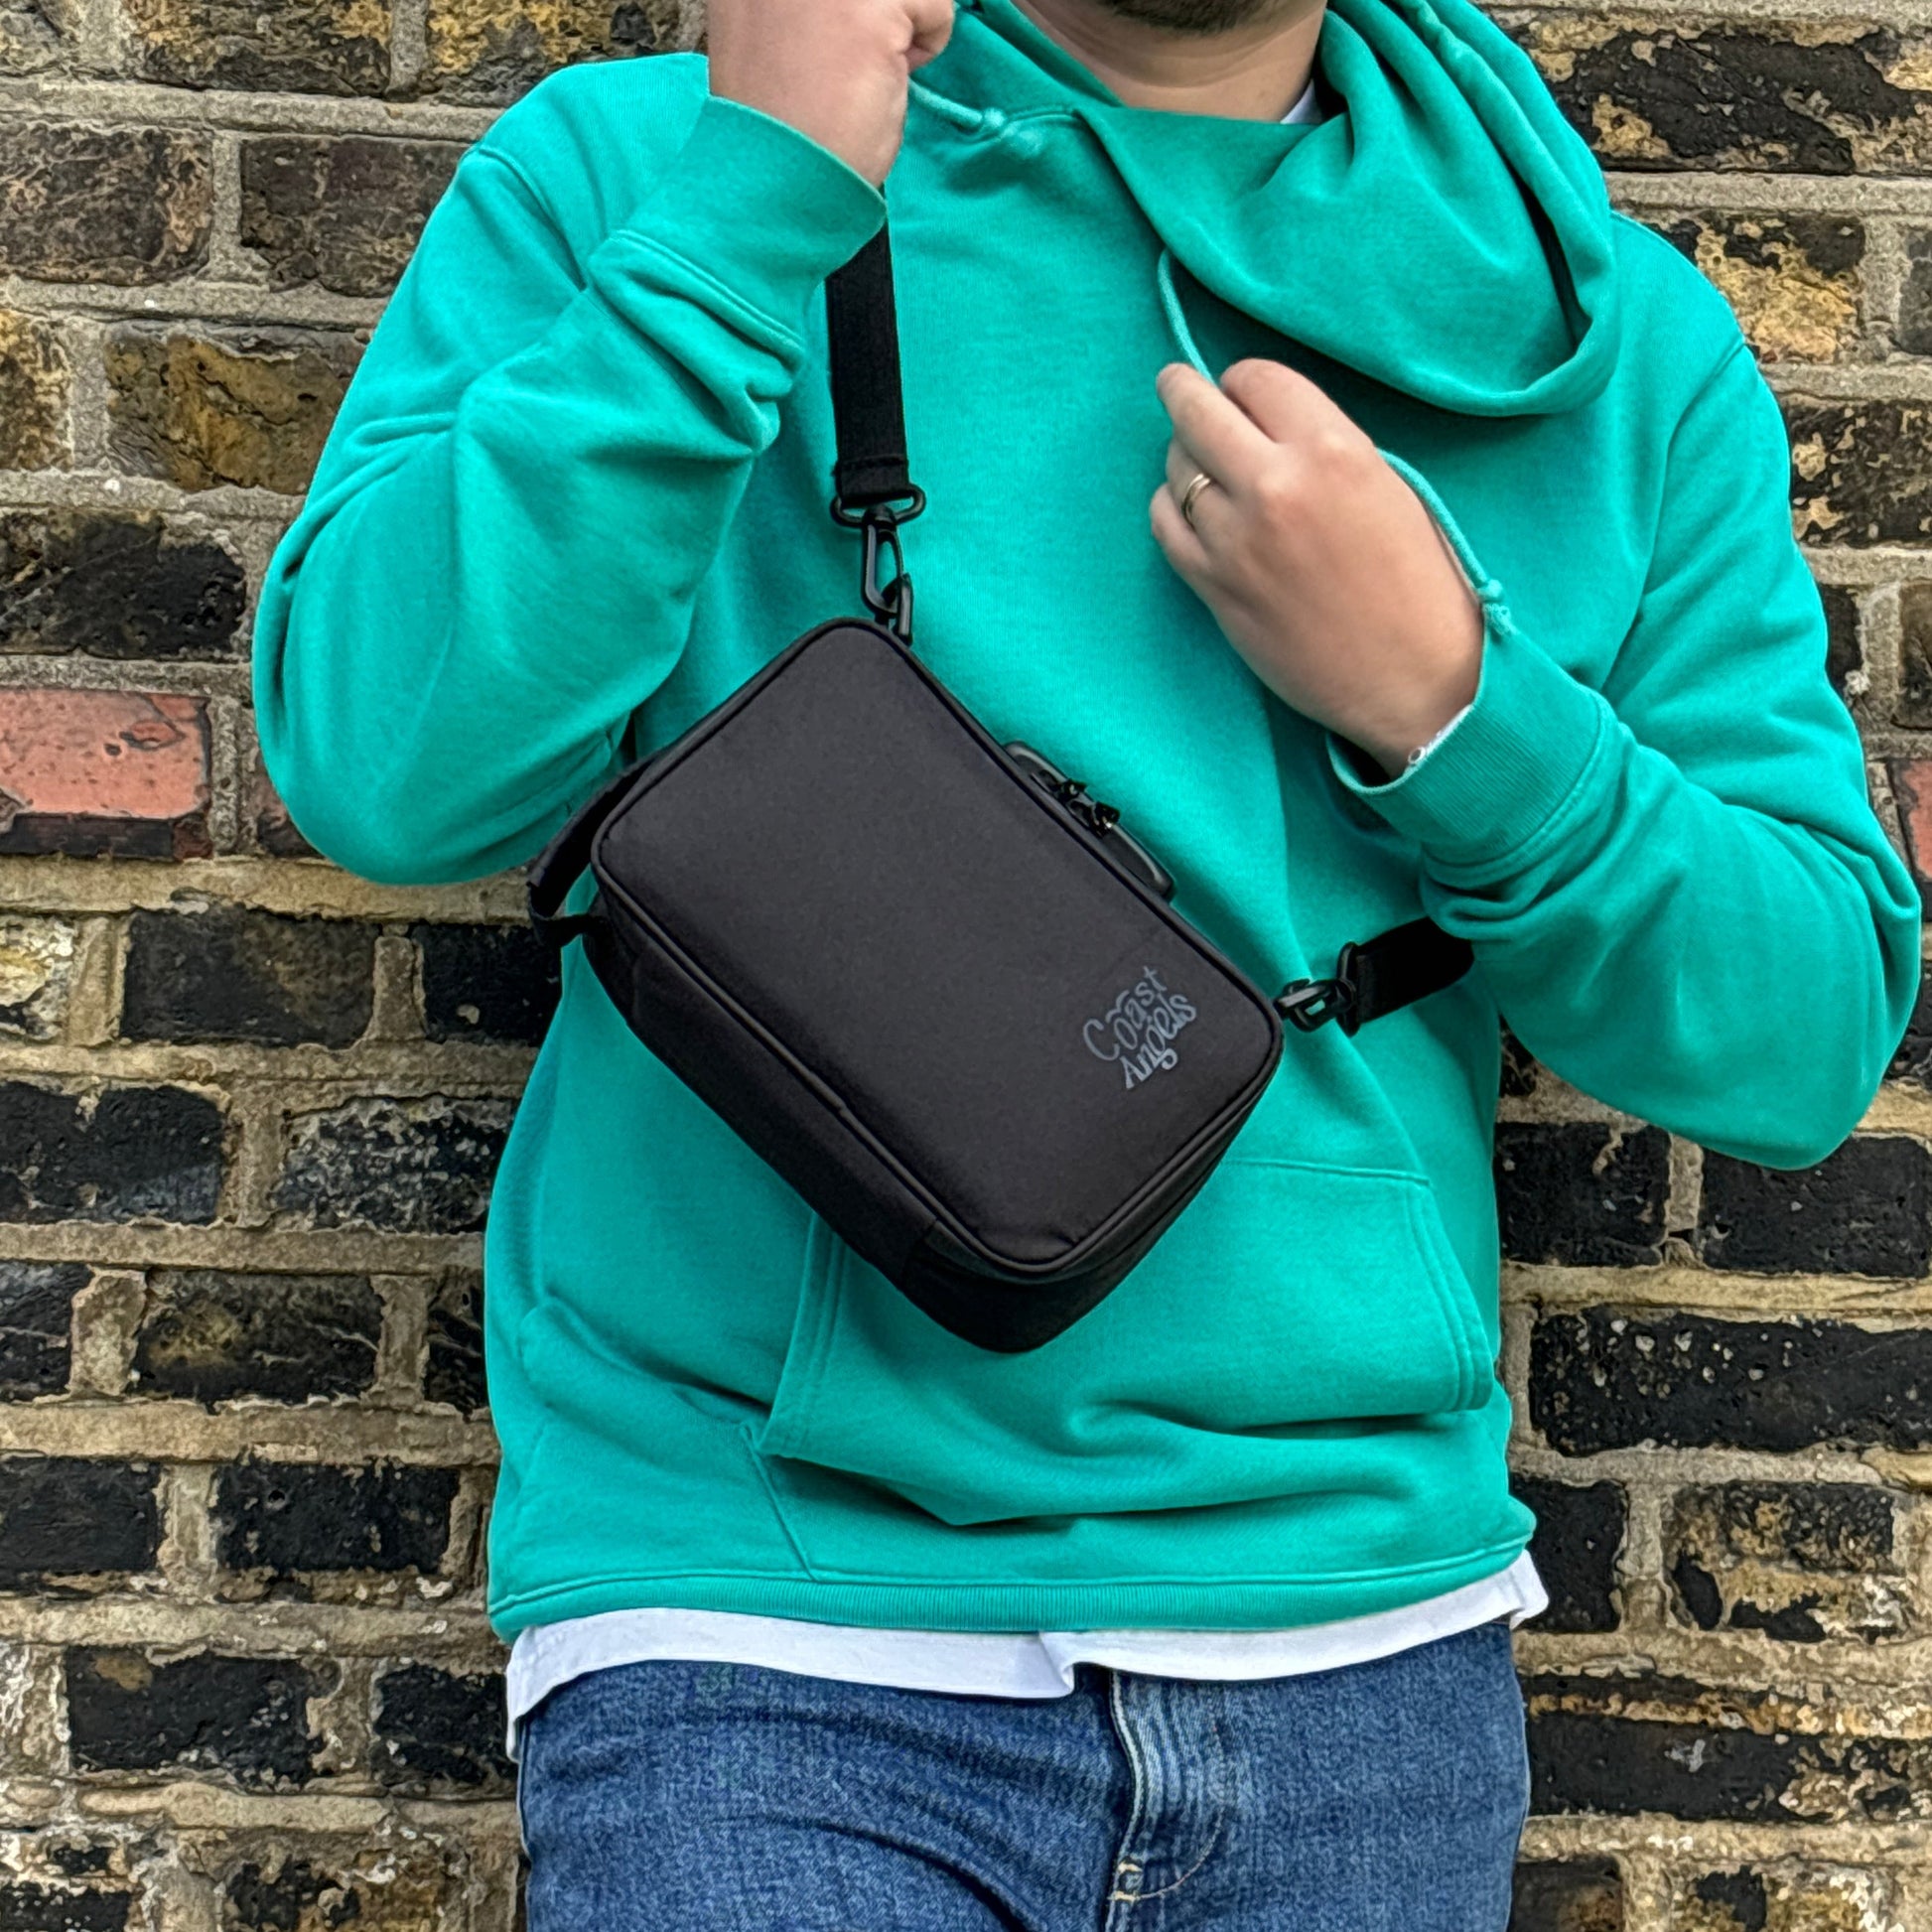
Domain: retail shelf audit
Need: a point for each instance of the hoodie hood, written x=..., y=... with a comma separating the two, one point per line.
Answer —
x=1442, y=231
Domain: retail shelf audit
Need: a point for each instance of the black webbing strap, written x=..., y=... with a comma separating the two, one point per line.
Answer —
x=1394, y=969
x=867, y=404
x=559, y=867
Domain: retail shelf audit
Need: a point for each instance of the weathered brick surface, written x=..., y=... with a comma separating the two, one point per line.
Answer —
x=1664, y=91
x=67, y=1523
x=36, y=1319
x=490, y=50
x=230, y=972
x=284, y=1519
x=1802, y=1562
x=36, y=974
x=101, y=204
x=92, y=772
x=1584, y=1895
x=201, y=410
x=87, y=583
x=1861, y=1211
x=1601, y=1379
x=240, y=1719
x=1623, y=1744
x=35, y=374
x=120, y=1155
x=207, y=1336
x=1796, y=281
x=1862, y=472
x=328, y=47
x=454, y=1369
x=435, y=1727
x=1580, y=1530
x=251, y=1108
x=414, y=1166
x=1581, y=1194
x=343, y=215
x=484, y=982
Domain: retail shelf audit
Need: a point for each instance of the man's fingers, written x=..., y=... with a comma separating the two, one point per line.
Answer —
x=1210, y=500
x=1280, y=402
x=1220, y=437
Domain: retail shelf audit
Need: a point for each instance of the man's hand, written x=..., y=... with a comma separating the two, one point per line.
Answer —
x=835, y=69
x=1328, y=574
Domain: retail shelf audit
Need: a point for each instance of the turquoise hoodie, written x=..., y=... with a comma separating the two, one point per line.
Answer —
x=578, y=495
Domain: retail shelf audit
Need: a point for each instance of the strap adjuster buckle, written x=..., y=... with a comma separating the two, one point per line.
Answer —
x=1307, y=1004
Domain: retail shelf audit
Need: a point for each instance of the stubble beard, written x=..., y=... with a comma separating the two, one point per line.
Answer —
x=1195, y=17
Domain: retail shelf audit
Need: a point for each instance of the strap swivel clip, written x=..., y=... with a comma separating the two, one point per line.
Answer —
x=1308, y=1003
x=891, y=601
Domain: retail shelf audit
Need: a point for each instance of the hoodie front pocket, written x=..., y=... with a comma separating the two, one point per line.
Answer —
x=1288, y=1303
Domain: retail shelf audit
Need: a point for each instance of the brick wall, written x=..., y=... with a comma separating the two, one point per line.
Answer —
x=249, y=1106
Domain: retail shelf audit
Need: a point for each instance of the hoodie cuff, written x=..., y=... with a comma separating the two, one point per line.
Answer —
x=1506, y=770
x=754, y=207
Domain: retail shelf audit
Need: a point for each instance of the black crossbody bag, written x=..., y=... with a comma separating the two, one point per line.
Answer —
x=926, y=976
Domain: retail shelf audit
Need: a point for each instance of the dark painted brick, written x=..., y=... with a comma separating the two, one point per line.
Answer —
x=28, y=1907
x=344, y=213
x=287, y=1518
x=433, y=1727
x=1627, y=1744
x=123, y=1155
x=1844, y=651
x=36, y=1321
x=100, y=585
x=1601, y=1379
x=1802, y=1562
x=1676, y=94
x=1861, y=471
x=486, y=982
x=212, y=1337
x=1576, y=1196
x=124, y=204
x=1866, y=1209
x=453, y=1370
x=1550, y=1896
x=414, y=1166
x=242, y=1717
x=1578, y=1533
x=64, y=1517
x=233, y=973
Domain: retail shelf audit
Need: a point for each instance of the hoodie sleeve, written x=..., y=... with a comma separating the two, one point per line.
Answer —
x=1676, y=886
x=533, y=469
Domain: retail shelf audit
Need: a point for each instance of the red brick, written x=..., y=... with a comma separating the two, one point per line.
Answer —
x=103, y=771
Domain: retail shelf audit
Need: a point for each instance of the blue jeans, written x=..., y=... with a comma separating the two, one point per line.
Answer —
x=1382, y=1797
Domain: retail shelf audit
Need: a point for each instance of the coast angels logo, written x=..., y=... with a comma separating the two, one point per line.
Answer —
x=1136, y=1032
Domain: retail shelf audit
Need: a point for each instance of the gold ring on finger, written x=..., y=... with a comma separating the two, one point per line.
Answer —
x=1199, y=482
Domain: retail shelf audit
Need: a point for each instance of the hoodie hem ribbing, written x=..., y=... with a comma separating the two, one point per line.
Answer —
x=1198, y=1603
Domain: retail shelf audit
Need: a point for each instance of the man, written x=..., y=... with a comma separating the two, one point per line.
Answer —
x=1319, y=469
